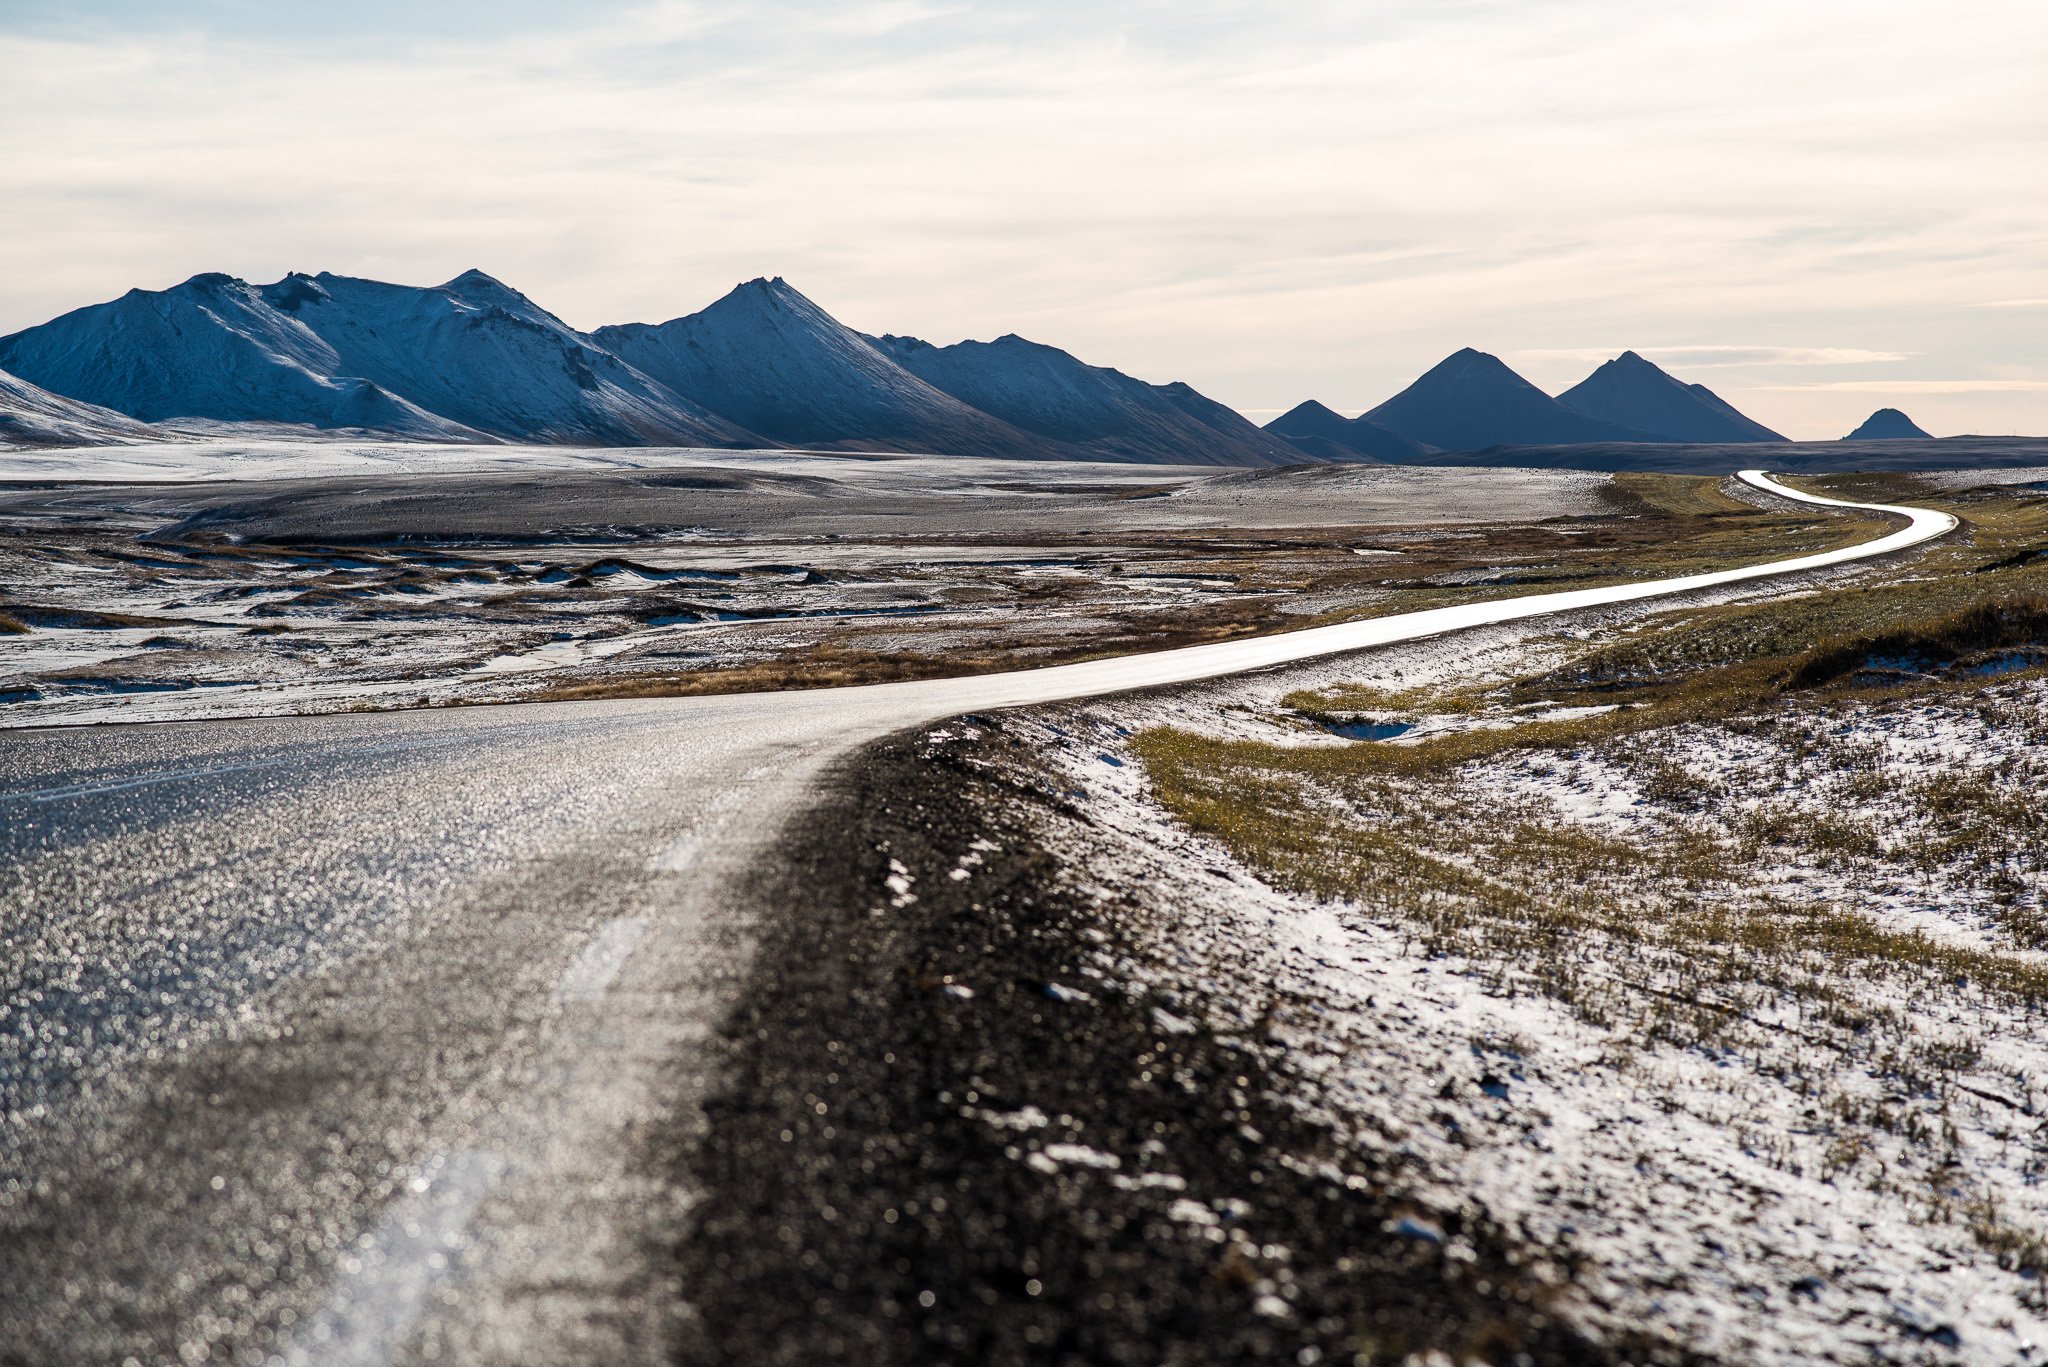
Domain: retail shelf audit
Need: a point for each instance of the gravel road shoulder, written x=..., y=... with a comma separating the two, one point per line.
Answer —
x=945, y=1142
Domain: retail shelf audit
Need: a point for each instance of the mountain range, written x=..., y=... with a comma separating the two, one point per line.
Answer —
x=476, y=361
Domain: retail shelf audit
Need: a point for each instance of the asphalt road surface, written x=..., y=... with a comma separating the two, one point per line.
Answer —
x=345, y=1039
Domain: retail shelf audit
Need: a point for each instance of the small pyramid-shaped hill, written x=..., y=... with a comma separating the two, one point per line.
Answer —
x=1471, y=400
x=1888, y=424
x=1311, y=424
x=1638, y=393
x=1052, y=393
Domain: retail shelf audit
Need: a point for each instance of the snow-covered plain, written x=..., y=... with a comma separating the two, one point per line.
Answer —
x=202, y=461
x=184, y=580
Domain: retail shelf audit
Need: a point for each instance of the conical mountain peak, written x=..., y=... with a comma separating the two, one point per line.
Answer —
x=1472, y=399
x=771, y=290
x=476, y=277
x=1889, y=424
x=1314, y=427
x=1634, y=391
x=772, y=359
x=475, y=288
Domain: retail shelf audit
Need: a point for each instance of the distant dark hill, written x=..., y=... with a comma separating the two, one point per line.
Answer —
x=1798, y=457
x=770, y=359
x=1471, y=399
x=1053, y=394
x=1361, y=437
x=32, y=416
x=469, y=361
x=1636, y=393
x=1888, y=424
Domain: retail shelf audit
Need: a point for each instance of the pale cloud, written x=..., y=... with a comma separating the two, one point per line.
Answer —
x=1920, y=386
x=1707, y=357
x=1319, y=200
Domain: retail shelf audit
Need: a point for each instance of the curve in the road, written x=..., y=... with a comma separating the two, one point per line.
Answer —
x=1061, y=682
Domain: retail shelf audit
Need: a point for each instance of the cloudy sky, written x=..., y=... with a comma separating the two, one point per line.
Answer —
x=1817, y=208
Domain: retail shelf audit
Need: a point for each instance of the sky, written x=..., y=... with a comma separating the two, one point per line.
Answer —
x=1816, y=209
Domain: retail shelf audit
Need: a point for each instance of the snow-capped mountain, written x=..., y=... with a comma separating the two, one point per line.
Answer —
x=474, y=360
x=1470, y=400
x=1054, y=394
x=1327, y=433
x=1888, y=424
x=767, y=357
x=467, y=361
x=1637, y=393
x=212, y=347
x=32, y=416
x=480, y=353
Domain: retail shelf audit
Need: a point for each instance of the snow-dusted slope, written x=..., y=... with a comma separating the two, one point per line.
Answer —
x=1046, y=390
x=766, y=356
x=467, y=361
x=212, y=347
x=1311, y=425
x=1638, y=393
x=482, y=354
x=32, y=416
x=1470, y=400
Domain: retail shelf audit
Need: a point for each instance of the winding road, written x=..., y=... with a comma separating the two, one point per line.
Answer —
x=345, y=1039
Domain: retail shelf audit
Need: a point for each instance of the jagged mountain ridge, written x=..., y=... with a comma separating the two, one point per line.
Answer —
x=32, y=416
x=210, y=347
x=480, y=353
x=1636, y=392
x=474, y=360
x=1471, y=400
x=1052, y=393
x=1312, y=426
x=468, y=361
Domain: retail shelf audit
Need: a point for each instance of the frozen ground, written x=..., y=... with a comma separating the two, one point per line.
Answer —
x=207, y=462
x=261, y=578
x=1964, y=479
x=1847, y=1167
x=201, y=461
